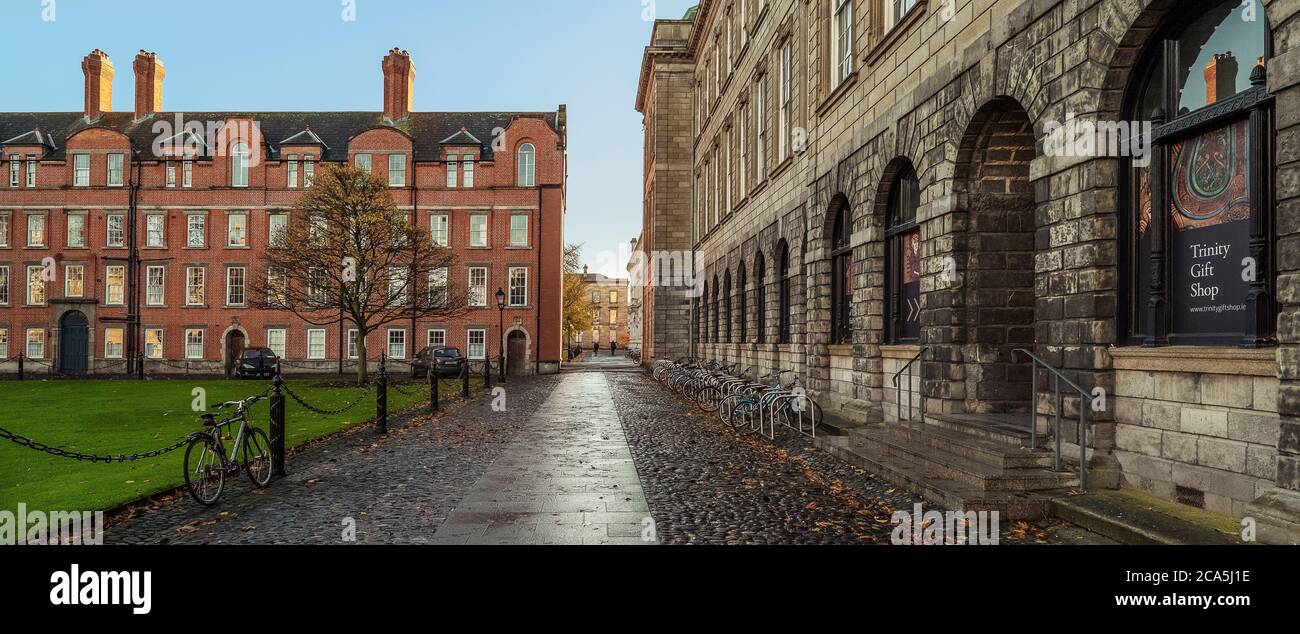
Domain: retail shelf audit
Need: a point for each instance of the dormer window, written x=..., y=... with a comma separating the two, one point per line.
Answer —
x=115, y=163
x=81, y=170
x=239, y=165
x=171, y=174
x=451, y=171
x=468, y=165
x=31, y=171
x=293, y=171
x=308, y=171
x=15, y=169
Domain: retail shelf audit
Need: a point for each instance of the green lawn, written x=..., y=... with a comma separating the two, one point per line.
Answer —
x=124, y=417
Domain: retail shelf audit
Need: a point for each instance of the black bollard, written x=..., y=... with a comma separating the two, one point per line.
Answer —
x=433, y=391
x=381, y=398
x=277, y=425
x=20, y=367
x=464, y=379
x=487, y=374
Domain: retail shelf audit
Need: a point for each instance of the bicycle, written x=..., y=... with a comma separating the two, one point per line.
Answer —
x=206, y=464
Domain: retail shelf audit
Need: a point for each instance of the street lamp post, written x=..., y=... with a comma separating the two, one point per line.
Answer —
x=501, y=331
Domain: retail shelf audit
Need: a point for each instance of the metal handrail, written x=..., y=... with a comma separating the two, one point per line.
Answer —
x=1082, y=432
x=898, y=390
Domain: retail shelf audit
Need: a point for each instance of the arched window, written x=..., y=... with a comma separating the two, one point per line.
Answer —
x=239, y=165
x=760, y=296
x=726, y=306
x=903, y=263
x=527, y=162
x=783, y=291
x=842, y=275
x=704, y=313
x=743, y=337
x=1201, y=271
x=717, y=310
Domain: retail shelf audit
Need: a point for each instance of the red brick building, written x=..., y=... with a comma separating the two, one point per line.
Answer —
x=75, y=185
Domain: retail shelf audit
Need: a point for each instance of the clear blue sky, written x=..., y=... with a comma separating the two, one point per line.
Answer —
x=302, y=55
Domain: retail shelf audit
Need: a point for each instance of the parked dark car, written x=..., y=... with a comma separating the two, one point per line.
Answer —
x=257, y=363
x=445, y=362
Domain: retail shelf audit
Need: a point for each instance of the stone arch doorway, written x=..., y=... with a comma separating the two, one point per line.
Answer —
x=517, y=345
x=74, y=343
x=994, y=261
x=234, y=343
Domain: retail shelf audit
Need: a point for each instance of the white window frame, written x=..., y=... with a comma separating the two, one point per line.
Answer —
x=35, y=286
x=243, y=285
x=440, y=229
x=201, y=287
x=400, y=353
x=149, y=231
x=169, y=171
x=31, y=171
x=81, y=170
x=191, y=341
x=276, y=239
x=399, y=295
x=109, y=353
x=513, y=229
x=397, y=170
x=477, y=293
x=760, y=123
x=467, y=171
x=428, y=338
x=4, y=229
x=15, y=170
x=230, y=230
x=784, y=107
x=115, y=237
x=150, y=287
x=526, y=157
x=76, y=240
x=239, y=155
x=291, y=172
x=452, y=170
x=115, y=165
x=68, y=290
x=4, y=343
x=108, y=285
x=158, y=348
x=39, y=342
x=312, y=334
x=4, y=284
x=365, y=163
x=482, y=238
x=896, y=10
x=40, y=233
x=308, y=170
x=201, y=231
x=187, y=173
x=469, y=343
x=438, y=280
x=282, y=345
x=512, y=286
x=352, y=343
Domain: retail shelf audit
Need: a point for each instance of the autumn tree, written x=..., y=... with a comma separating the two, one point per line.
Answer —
x=348, y=254
x=577, y=311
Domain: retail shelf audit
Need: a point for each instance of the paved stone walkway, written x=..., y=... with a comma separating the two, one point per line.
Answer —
x=568, y=478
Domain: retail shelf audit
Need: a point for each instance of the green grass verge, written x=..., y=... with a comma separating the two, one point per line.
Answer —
x=125, y=417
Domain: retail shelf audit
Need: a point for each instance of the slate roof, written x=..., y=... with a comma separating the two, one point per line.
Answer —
x=332, y=128
x=33, y=137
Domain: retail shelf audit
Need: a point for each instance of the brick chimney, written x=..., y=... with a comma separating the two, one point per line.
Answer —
x=149, y=74
x=98, y=70
x=1220, y=77
x=399, y=84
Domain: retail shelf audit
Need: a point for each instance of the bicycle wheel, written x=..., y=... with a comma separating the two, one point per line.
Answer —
x=205, y=470
x=744, y=416
x=708, y=398
x=257, y=457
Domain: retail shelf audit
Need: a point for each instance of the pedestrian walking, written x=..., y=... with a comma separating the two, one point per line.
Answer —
x=595, y=348
x=613, y=348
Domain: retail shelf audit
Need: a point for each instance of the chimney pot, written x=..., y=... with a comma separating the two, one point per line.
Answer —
x=98, y=70
x=149, y=74
x=399, y=84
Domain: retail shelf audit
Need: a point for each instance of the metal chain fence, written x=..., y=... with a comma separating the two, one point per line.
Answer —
x=329, y=412
x=23, y=441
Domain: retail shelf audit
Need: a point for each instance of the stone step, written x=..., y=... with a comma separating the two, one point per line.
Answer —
x=991, y=452
x=970, y=473
x=1008, y=429
x=935, y=489
x=1132, y=517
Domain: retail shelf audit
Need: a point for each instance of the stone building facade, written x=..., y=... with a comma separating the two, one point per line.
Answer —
x=899, y=190
x=489, y=185
x=607, y=299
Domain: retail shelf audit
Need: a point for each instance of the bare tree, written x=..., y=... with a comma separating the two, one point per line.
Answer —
x=347, y=253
